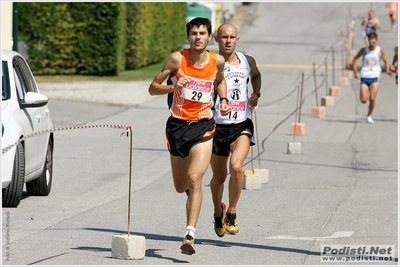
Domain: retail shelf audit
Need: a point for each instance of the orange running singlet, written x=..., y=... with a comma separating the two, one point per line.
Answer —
x=392, y=8
x=193, y=102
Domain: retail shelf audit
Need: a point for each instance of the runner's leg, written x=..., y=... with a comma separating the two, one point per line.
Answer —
x=240, y=149
x=373, y=88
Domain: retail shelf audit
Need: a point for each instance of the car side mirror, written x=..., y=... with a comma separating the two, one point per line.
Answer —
x=34, y=100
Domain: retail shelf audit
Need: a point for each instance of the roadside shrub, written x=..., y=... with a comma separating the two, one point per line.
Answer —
x=99, y=38
x=74, y=38
x=154, y=30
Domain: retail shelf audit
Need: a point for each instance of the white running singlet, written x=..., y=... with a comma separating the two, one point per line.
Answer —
x=371, y=66
x=237, y=78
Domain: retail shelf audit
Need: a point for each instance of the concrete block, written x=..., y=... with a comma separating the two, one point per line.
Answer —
x=126, y=247
x=294, y=148
x=327, y=101
x=334, y=90
x=343, y=81
x=348, y=73
x=318, y=112
x=298, y=129
x=248, y=172
x=252, y=181
x=264, y=175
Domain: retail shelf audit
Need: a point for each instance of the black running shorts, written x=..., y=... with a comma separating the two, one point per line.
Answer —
x=182, y=135
x=226, y=134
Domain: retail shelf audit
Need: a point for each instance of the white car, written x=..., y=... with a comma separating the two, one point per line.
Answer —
x=24, y=112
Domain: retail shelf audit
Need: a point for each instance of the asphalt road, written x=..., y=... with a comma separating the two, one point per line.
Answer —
x=341, y=190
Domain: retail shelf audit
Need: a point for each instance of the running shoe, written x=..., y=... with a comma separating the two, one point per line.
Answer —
x=370, y=120
x=188, y=245
x=231, y=224
x=219, y=225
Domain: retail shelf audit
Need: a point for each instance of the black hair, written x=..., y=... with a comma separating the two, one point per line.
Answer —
x=198, y=22
x=372, y=35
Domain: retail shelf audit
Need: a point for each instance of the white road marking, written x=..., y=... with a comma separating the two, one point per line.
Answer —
x=341, y=234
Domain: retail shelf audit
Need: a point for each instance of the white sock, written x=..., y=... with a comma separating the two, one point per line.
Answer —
x=190, y=231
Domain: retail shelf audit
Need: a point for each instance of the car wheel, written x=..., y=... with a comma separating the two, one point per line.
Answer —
x=12, y=194
x=42, y=185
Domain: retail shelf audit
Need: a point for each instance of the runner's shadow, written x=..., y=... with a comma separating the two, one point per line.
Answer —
x=362, y=120
x=153, y=254
x=149, y=253
x=207, y=242
x=93, y=249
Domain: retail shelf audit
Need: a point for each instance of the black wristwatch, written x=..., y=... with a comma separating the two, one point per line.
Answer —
x=222, y=98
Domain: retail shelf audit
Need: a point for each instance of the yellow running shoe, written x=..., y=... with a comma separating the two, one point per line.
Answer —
x=219, y=222
x=188, y=245
x=231, y=224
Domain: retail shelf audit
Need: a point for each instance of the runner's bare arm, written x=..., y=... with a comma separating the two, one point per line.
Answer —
x=363, y=22
x=354, y=62
x=393, y=67
x=377, y=23
x=171, y=66
x=255, y=76
x=221, y=85
x=394, y=60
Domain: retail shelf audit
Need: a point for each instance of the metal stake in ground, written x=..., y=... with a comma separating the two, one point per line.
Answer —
x=130, y=180
x=258, y=143
x=333, y=66
x=297, y=127
x=128, y=247
x=295, y=116
x=263, y=173
x=251, y=180
x=301, y=94
x=315, y=84
x=252, y=156
x=326, y=76
x=343, y=63
x=295, y=147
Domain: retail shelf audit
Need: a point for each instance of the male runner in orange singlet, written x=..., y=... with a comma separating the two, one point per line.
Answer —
x=196, y=73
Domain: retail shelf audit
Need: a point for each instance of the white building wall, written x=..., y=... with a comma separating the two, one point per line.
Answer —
x=6, y=25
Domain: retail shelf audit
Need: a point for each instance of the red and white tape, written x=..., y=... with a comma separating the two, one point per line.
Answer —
x=127, y=128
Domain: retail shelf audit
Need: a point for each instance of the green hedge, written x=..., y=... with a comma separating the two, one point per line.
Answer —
x=101, y=46
x=154, y=30
x=74, y=38
x=98, y=38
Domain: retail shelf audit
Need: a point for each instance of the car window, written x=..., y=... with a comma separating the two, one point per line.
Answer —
x=19, y=85
x=27, y=75
x=5, y=82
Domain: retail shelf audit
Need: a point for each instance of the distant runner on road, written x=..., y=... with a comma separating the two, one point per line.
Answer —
x=370, y=24
x=370, y=72
x=395, y=64
x=393, y=14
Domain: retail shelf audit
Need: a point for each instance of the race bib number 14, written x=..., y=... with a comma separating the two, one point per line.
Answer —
x=198, y=90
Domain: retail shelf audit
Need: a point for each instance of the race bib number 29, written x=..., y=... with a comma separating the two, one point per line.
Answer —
x=198, y=90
